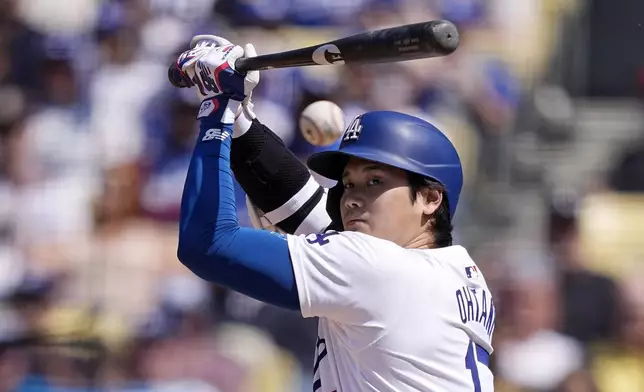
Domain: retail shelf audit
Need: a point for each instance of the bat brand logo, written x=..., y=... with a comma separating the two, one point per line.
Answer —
x=332, y=57
x=327, y=54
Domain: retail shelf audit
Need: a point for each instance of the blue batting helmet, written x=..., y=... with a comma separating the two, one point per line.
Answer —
x=397, y=140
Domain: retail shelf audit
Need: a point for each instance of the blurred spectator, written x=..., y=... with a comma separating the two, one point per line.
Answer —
x=182, y=345
x=618, y=367
x=168, y=156
x=589, y=301
x=627, y=175
x=530, y=353
x=56, y=154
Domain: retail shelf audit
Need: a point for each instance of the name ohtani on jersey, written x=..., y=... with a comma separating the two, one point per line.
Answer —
x=476, y=305
x=320, y=353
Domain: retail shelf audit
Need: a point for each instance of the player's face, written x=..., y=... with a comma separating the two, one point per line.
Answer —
x=376, y=201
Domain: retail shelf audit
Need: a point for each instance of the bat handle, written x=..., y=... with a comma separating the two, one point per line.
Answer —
x=244, y=65
x=178, y=80
x=258, y=63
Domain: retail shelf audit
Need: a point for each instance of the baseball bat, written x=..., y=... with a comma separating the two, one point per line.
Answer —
x=408, y=42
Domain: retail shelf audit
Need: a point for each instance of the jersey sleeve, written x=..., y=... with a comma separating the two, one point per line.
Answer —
x=335, y=273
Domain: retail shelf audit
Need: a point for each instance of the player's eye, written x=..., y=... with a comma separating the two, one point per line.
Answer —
x=348, y=185
x=374, y=181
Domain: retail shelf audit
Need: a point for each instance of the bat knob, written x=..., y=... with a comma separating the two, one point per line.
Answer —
x=445, y=35
x=178, y=78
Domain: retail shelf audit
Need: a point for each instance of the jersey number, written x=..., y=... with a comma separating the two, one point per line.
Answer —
x=321, y=238
x=471, y=362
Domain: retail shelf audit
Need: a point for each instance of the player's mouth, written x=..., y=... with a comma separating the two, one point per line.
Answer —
x=354, y=223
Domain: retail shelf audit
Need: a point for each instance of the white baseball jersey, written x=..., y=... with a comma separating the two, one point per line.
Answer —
x=394, y=319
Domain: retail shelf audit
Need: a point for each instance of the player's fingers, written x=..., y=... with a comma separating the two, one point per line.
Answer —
x=190, y=57
x=235, y=53
x=219, y=41
x=249, y=51
x=252, y=77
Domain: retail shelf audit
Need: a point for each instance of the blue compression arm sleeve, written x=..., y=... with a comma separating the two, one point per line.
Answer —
x=211, y=242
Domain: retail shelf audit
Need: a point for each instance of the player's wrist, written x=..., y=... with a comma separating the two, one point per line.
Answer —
x=244, y=118
x=221, y=108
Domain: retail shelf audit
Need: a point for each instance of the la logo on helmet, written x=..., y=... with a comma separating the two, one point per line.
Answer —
x=353, y=131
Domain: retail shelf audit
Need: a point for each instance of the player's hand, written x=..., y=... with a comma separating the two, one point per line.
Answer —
x=178, y=71
x=210, y=65
x=214, y=73
x=245, y=114
x=252, y=78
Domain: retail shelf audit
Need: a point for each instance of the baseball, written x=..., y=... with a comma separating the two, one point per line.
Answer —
x=322, y=123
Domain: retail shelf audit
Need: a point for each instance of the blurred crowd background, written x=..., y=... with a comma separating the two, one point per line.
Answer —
x=542, y=99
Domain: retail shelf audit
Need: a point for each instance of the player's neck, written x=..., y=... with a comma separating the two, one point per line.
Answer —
x=424, y=240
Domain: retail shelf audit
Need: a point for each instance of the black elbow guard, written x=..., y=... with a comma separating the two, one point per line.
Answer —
x=266, y=169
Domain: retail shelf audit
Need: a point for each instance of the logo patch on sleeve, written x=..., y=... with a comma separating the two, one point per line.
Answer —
x=215, y=134
x=208, y=107
x=472, y=272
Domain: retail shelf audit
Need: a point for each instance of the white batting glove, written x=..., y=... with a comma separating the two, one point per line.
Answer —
x=206, y=63
x=245, y=115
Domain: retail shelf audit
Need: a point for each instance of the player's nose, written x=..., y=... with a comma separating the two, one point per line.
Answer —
x=352, y=201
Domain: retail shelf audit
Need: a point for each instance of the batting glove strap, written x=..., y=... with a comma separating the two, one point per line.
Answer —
x=244, y=118
x=210, y=108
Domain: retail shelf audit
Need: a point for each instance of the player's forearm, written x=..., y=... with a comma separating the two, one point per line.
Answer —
x=211, y=242
x=277, y=182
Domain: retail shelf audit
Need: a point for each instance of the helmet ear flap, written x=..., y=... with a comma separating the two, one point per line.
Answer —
x=333, y=206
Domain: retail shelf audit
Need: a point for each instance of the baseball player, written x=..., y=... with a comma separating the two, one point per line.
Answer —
x=400, y=307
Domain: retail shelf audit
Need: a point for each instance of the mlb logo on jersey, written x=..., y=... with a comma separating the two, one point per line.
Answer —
x=472, y=272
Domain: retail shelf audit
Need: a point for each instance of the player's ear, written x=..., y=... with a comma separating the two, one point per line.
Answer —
x=431, y=199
